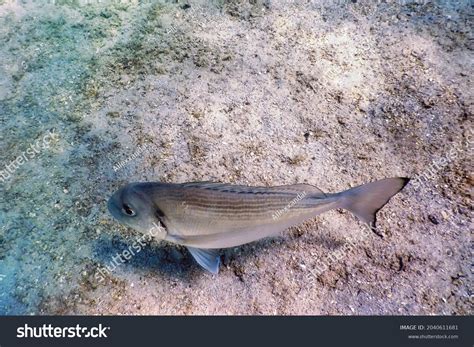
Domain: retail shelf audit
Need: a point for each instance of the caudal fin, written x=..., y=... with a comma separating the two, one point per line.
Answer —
x=364, y=201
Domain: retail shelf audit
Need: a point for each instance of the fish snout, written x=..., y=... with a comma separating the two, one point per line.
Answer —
x=114, y=206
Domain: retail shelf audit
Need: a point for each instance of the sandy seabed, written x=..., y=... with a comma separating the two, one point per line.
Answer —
x=333, y=94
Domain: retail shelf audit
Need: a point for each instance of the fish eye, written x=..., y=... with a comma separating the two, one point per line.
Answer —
x=128, y=210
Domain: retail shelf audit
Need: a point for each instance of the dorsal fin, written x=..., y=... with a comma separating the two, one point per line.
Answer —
x=289, y=189
x=204, y=184
x=302, y=187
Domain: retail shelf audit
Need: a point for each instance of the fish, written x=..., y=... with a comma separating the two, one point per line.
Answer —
x=206, y=217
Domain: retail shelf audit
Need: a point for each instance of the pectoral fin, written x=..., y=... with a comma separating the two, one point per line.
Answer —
x=207, y=258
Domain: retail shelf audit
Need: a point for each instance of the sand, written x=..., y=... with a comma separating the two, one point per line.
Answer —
x=333, y=94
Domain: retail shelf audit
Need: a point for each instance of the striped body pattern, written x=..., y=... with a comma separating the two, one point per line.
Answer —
x=206, y=216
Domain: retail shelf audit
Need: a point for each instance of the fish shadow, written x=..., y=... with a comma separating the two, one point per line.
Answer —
x=322, y=242
x=325, y=241
x=277, y=243
x=250, y=250
x=175, y=262
x=162, y=259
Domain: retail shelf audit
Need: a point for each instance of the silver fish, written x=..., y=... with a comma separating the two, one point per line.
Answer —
x=206, y=216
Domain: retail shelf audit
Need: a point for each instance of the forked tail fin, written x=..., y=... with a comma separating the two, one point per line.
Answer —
x=364, y=201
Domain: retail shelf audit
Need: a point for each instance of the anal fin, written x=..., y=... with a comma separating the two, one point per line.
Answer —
x=207, y=258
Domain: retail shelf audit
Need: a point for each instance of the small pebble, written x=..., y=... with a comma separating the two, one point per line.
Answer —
x=433, y=219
